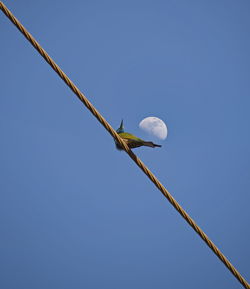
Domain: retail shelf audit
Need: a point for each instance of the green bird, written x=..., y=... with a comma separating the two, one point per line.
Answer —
x=131, y=140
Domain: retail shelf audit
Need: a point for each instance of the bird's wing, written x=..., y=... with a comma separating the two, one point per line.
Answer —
x=130, y=136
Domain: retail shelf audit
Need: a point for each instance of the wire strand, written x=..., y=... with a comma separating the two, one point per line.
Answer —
x=113, y=133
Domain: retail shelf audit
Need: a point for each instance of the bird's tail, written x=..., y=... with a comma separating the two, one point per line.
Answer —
x=151, y=144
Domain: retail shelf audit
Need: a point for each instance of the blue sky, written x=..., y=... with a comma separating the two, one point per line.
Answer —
x=77, y=213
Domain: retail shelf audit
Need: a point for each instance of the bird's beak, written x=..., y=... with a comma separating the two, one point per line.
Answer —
x=121, y=125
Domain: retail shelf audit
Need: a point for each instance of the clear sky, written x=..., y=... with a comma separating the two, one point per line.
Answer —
x=77, y=213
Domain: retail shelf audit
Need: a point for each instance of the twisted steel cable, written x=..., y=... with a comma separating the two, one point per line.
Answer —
x=113, y=133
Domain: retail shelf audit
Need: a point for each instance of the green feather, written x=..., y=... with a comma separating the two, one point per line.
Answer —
x=130, y=136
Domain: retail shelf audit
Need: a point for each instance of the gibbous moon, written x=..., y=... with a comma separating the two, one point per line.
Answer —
x=155, y=126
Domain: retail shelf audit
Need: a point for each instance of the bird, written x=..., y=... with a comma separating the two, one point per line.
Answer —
x=131, y=140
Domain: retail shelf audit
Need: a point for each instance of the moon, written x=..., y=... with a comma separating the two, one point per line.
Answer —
x=155, y=126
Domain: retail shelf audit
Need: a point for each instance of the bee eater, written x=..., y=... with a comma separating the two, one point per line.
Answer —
x=131, y=140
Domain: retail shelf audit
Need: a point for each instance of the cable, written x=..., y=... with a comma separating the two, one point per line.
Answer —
x=113, y=133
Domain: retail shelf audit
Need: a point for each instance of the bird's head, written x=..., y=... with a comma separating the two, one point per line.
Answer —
x=121, y=128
